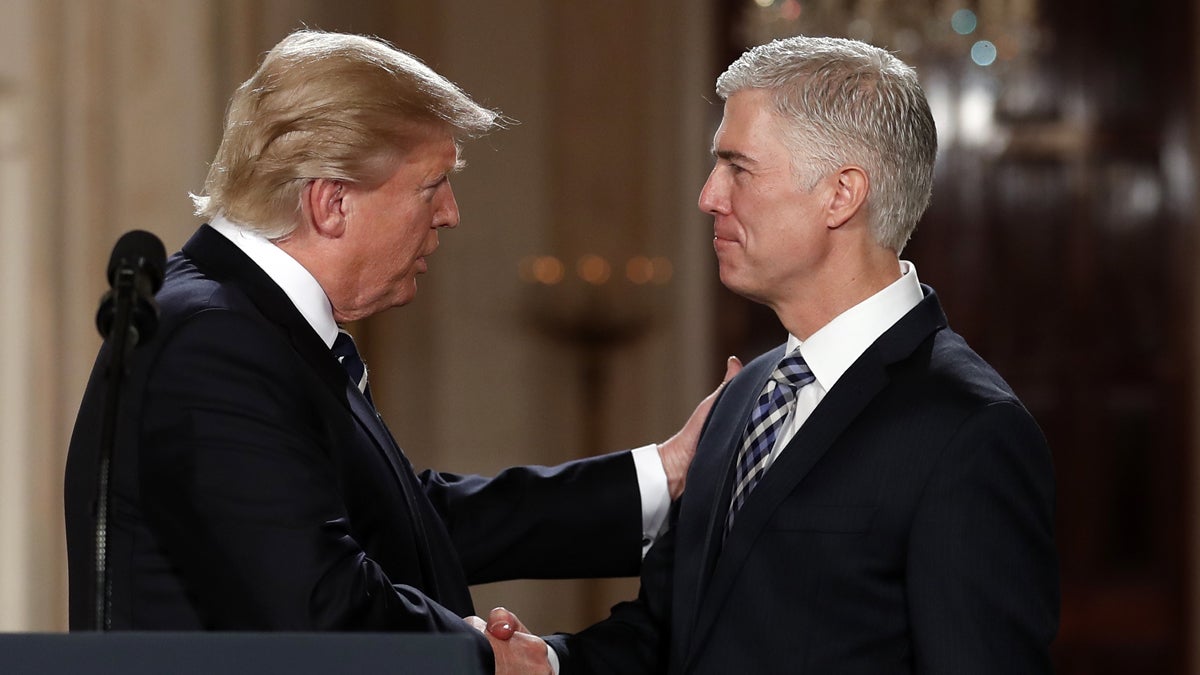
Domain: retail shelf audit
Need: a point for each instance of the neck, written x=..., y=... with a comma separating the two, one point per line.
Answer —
x=304, y=248
x=845, y=282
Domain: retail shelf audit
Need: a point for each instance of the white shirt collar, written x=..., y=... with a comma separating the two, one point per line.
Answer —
x=296, y=281
x=830, y=351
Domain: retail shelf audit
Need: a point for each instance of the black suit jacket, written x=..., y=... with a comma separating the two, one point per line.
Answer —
x=254, y=487
x=907, y=528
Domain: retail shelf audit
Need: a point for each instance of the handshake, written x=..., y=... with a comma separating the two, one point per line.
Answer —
x=516, y=649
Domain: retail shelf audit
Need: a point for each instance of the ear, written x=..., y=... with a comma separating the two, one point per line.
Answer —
x=850, y=186
x=322, y=204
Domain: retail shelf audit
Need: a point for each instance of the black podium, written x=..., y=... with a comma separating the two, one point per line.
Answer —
x=236, y=653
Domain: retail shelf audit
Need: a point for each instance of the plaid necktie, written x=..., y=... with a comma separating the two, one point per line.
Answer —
x=347, y=355
x=774, y=404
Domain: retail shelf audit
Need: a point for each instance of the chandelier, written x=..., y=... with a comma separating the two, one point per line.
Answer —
x=984, y=32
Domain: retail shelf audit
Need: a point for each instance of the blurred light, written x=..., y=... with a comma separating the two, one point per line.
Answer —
x=790, y=10
x=545, y=269
x=1145, y=195
x=983, y=53
x=976, y=108
x=594, y=269
x=639, y=269
x=964, y=22
x=1135, y=196
x=764, y=3
x=942, y=105
x=1177, y=167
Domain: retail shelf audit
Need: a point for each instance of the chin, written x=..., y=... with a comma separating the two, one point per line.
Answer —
x=401, y=301
x=405, y=295
x=731, y=281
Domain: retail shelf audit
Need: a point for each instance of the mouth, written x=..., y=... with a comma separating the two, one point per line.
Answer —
x=722, y=240
x=421, y=264
x=722, y=232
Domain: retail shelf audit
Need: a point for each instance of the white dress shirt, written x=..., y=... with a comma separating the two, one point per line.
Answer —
x=310, y=300
x=830, y=351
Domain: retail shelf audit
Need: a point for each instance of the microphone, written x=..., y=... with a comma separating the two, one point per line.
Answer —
x=127, y=315
x=135, y=273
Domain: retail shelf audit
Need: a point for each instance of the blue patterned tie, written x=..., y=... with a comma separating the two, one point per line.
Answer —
x=772, y=408
x=347, y=355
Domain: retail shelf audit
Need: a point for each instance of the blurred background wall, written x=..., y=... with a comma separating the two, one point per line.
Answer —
x=576, y=309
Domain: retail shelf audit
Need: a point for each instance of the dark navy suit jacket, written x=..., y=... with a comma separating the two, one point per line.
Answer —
x=907, y=528
x=255, y=488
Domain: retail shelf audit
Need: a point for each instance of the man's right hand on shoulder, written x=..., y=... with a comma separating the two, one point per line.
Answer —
x=676, y=452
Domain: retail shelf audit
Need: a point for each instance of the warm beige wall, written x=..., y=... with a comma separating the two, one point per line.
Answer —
x=608, y=158
x=20, y=427
x=110, y=111
x=105, y=126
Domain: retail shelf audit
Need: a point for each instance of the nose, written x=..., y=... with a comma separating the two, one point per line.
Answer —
x=713, y=196
x=447, y=213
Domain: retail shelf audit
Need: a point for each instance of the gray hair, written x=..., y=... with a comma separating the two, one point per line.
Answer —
x=326, y=105
x=847, y=102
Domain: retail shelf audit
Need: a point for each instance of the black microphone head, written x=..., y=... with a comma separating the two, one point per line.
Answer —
x=142, y=251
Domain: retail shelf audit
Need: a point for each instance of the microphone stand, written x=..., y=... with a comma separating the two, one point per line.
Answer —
x=123, y=289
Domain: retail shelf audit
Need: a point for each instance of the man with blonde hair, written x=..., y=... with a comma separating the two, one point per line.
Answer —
x=870, y=496
x=254, y=485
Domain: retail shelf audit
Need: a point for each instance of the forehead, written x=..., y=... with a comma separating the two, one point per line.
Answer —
x=748, y=112
x=750, y=126
x=423, y=157
x=433, y=148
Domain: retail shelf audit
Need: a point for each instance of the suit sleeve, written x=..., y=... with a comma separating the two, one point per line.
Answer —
x=982, y=572
x=243, y=497
x=579, y=519
x=635, y=638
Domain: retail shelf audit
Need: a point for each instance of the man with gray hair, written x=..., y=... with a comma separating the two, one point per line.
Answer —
x=870, y=496
x=254, y=485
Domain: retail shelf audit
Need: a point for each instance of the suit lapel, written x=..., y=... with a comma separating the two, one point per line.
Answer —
x=369, y=419
x=840, y=407
x=706, y=500
x=222, y=260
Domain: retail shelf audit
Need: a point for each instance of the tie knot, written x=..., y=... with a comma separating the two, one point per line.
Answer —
x=343, y=347
x=347, y=354
x=793, y=371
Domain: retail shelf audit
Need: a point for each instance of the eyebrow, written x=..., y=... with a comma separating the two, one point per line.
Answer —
x=733, y=155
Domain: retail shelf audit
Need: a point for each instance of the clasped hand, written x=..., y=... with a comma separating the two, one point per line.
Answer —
x=516, y=649
x=519, y=651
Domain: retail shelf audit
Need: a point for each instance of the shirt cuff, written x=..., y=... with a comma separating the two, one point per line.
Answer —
x=552, y=658
x=656, y=498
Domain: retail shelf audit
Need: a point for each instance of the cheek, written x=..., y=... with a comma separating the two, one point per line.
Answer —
x=755, y=214
x=408, y=240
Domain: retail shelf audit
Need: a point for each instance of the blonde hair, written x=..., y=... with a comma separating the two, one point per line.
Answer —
x=326, y=105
